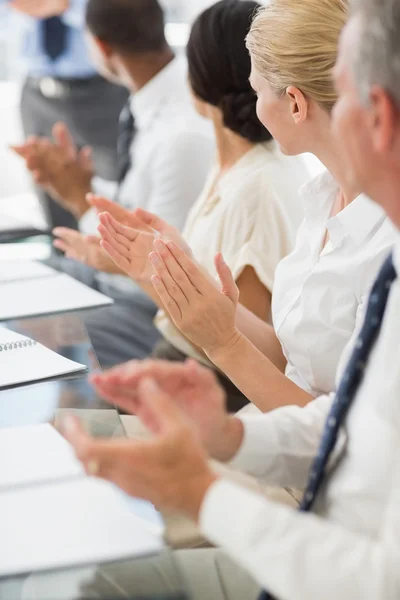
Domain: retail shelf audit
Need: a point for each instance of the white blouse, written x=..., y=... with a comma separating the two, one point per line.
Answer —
x=252, y=217
x=319, y=295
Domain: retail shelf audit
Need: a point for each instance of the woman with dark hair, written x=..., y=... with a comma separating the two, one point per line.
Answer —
x=250, y=209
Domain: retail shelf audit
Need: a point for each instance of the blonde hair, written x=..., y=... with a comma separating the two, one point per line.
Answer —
x=295, y=42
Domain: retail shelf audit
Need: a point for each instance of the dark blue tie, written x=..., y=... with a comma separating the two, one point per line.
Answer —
x=126, y=135
x=349, y=385
x=54, y=33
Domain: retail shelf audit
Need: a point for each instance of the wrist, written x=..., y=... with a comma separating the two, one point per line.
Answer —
x=194, y=494
x=230, y=440
x=227, y=350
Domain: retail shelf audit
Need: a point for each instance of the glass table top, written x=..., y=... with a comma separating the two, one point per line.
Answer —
x=50, y=402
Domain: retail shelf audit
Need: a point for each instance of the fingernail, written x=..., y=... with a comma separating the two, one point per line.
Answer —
x=57, y=231
x=159, y=245
x=155, y=259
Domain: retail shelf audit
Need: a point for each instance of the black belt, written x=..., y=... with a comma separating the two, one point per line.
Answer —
x=55, y=87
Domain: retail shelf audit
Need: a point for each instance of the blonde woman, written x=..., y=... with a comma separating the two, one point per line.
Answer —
x=320, y=289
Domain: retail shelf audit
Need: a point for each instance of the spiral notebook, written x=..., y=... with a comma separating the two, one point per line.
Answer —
x=24, y=361
x=53, y=516
x=47, y=296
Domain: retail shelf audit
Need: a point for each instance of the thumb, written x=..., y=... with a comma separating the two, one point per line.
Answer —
x=158, y=406
x=228, y=285
x=150, y=220
x=64, y=139
x=85, y=158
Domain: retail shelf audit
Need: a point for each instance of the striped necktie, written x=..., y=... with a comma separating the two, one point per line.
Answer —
x=349, y=386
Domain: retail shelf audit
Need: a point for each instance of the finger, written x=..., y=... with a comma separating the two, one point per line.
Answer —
x=22, y=150
x=167, y=300
x=159, y=406
x=102, y=204
x=128, y=234
x=85, y=158
x=60, y=245
x=100, y=458
x=121, y=234
x=93, y=240
x=108, y=234
x=150, y=220
x=176, y=274
x=118, y=258
x=68, y=235
x=195, y=275
x=228, y=285
x=75, y=434
x=64, y=139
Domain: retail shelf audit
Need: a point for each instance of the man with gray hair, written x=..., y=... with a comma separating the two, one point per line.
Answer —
x=344, y=450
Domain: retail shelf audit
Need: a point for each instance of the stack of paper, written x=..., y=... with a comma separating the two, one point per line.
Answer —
x=24, y=361
x=52, y=516
x=47, y=296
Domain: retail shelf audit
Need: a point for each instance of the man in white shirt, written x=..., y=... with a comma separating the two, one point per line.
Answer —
x=166, y=150
x=346, y=541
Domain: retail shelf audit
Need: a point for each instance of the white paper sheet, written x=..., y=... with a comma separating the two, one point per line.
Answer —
x=79, y=522
x=35, y=455
x=51, y=295
x=21, y=270
x=24, y=361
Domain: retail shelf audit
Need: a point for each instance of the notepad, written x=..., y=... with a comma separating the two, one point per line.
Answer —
x=22, y=270
x=47, y=296
x=33, y=455
x=24, y=361
x=53, y=516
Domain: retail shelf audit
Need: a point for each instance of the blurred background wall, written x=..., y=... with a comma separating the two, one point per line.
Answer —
x=13, y=178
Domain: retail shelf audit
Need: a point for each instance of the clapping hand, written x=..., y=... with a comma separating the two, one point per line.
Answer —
x=201, y=309
x=128, y=237
x=170, y=470
x=60, y=168
x=193, y=388
x=84, y=248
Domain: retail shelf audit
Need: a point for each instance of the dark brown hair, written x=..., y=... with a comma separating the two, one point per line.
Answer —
x=220, y=65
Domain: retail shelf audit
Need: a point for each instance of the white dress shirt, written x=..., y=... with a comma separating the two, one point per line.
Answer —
x=252, y=216
x=350, y=547
x=319, y=296
x=172, y=153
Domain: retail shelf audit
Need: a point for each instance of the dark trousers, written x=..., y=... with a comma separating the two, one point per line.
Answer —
x=90, y=108
x=235, y=399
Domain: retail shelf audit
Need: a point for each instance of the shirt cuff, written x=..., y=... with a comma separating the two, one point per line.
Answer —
x=227, y=514
x=89, y=222
x=75, y=15
x=244, y=458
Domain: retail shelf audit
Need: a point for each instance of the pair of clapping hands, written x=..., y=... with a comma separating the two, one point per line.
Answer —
x=136, y=243
x=183, y=407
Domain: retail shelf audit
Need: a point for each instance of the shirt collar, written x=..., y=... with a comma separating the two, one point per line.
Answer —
x=357, y=220
x=170, y=82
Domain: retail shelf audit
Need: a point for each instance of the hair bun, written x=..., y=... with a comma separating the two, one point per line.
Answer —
x=239, y=112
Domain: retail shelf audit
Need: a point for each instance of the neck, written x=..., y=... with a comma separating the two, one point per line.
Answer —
x=230, y=146
x=331, y=157
x=139, y=71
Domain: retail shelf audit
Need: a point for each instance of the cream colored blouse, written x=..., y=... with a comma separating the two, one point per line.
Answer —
x=251, y=216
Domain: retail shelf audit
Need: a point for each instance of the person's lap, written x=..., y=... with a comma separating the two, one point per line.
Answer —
x=206, y=574
x=121, y=332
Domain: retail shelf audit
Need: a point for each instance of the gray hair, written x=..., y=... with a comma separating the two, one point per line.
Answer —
x=377, y=58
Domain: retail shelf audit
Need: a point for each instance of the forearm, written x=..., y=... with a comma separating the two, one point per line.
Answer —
x=299, y=556
x=261, y=335
x=257, y=377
